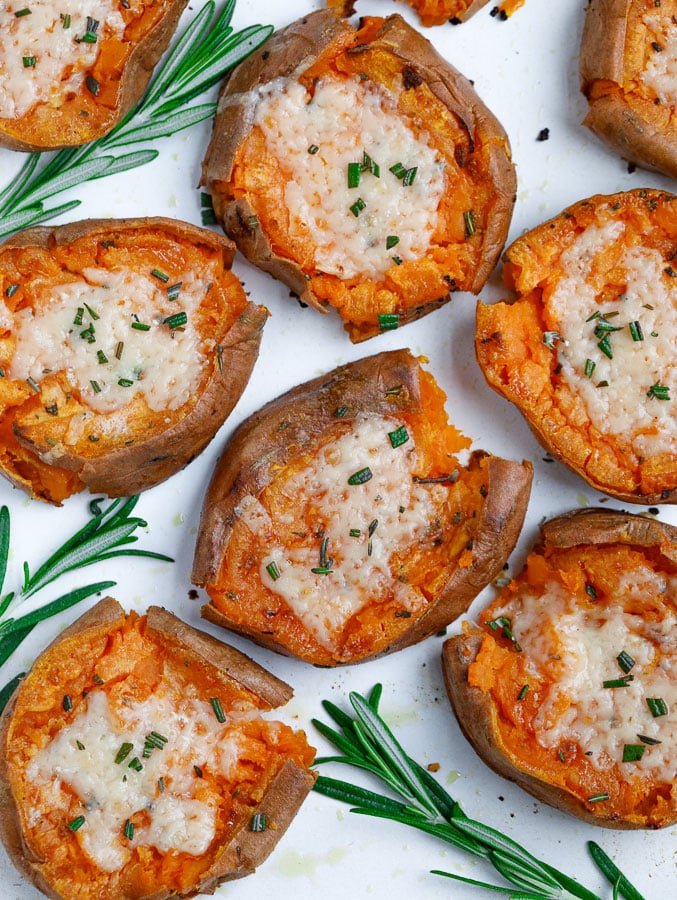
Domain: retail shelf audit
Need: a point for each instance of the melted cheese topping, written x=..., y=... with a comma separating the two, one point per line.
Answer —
x=577, y=646
x=660, y=71
x=52, y=35
x=624, y=406
x=396, y=511
x=162, y=365
x=345, y=119
x=81, y=760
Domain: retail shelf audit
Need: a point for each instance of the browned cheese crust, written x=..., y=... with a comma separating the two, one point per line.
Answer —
x=618, y=45
x=279, y=803
x=484, y=724
x=483, y=150
x=122, y=465
x=295, y=425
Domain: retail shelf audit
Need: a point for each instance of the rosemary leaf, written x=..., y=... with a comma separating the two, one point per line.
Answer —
x=612, y=873
x=9, y=689
x=4, y=544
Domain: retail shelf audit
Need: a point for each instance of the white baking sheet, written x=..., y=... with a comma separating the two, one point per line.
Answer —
x=526, y=71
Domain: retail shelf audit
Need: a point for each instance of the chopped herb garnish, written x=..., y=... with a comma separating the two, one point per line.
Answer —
x=160, y=275
x=357, y=207
x=504, y=623
x=313, y=149
x=258, y=822
x=93, y=86
x=136, y=764
x=597, y=798
x=67, y=703
x=156, y=740
x=633, y=752
x=603, y=326
x=321, y=570
x=361, y=476
x=409, y=176
x=125, y=382
x=354, y=173
x=590, y=366
x=129, y=829
x=140, y=326
x=119, y=347
x=66, y=20
x=657, y=706
x=398, y=437
x=469, y=221
x=368, y=165
x=22, y=12
x=605, y=346
x=398, y=170
x=618, y=682
x=388, y=321
x=76, y=823
x=11, y=289
x=625, y=661
x=590, y=590
x=636, y=331
x=648, y=740
x=198, y=771
x=522, y=694
x=96, y=387
x=177, y=320
x=560, y=755
x=273, y=570
x=52, y=409
x=218, y=709
x=397, y=260
x=174, y=290
x=451, y=478
x=550, y=338
x=161, y=785
x=659, y=391
x=355, y=532
x=101, y=356
x=92, y=312
x=79, y=745
x=373, y=525
x=29, y=62
x=32, y=383
x=391, y=241
x=341, y=411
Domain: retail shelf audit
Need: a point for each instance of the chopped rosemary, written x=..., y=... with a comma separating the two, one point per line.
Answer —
x=605, y=346
x=123, y=752
x=469, y=222
x=361, y=476
x=392, y=241
x=218, y=709
x=129, y=829
x=659, y=392
x=29, y=62
x=258, y=822
x=273, y=570
x=618, y=682
x=357, y=207
x=76, y=823
x=93, y=86
x=140, y=326
x=136, y=764
x=174, y=290
x=67, y=703
x=657, y=706
x=354, y=173
x=398, y=437
x=177, y=320
x=388, y=321
x=11, y=289
x=598, y=798
x=633, y=752
x=636, y=331
x=625, y=661
x=22, y=12
x=522, y=694
x=313, y=149
x=590, y=366
x=550, y=338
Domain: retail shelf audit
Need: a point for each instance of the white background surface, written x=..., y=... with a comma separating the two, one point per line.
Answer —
x=525, y=69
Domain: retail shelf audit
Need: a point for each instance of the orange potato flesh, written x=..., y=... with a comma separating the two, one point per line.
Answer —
x=82, y=116
x=593, y=575
x=132, y=662
x=43, y=449
x=439, y=12
x=519, y=365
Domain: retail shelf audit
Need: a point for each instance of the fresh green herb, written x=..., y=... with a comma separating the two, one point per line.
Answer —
x=505, y=624
x=657, y=706
x=67, y=703
x=357, y=207
x=92, y=85
x=590, y=366
x=636, y=331
x=469, y=222
x=605, y=346
x=76, y=823
x=273, y=570
x=397, y=260
x=66, y=20
x=97, y=679
x=341, y=411
x=590, y=590
x=355, y=532
x=354, y=173
x=618, y=682
x=361, y=476
x=550, y=338
x=313, y=149
x=388, y=321
x=136, y=764
x=366, y=742
x=79, y=745
x=633, y=752
x=398, y=437
x=125, y=382
x=101, y=356
x=177, y=320
x=174, y=290
x=129, y=829
x=522, y=694
x=140, y=326
x=648, y=740
x=29, y=62
x=22, y=12
x=198, y=771
x=621, y=885
x=659, y=392
x=218, y=709
x=123, y=752
x=105, y=536
x=119, y=347
x=258, y=822
x=368, y=165
x=11, y=289
x=392, y=241
x=451, y=478
x=160, y=275
x=598, y=798
x=625, y=661
x=200, y=57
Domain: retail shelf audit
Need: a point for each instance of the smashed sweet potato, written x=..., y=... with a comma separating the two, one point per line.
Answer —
x=361, y=169
x=135, y=762
x=84, y=71
x=339, y=524
x=626, y=72
x=124, y=345
x=586, y=350
x=566, y=688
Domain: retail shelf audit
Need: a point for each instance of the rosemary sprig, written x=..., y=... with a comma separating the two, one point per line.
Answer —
x=366, y=742
x=106, y=535
x=200, y=57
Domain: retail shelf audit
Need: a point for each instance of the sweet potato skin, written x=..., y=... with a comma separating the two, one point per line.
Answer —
x=473, y=707
x=55, y=127
x=510, y=348
x=620, y=113
x=289, y=426
x=135, y=467
x=281, y=801
x=300, y=44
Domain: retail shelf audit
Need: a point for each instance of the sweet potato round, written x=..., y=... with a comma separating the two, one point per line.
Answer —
x=119, y=399
x=386, y=559
x=555, y=690
x=586, y=349
x=155, y=663
x=365, y=260
x=624, y=72
x=111, y=74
